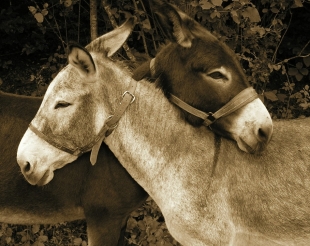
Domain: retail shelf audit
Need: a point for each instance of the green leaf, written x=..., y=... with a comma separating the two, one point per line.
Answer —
x=292, y=71
x=35, y=228
x=299, y=65
x=32, y=9
x=304, y=71
x=146, y=24
x=217, y=2
x=299, y=76
x=252, y=14
x=205, y=4
x=77, y=241
x=39, y=17
x=307, y=61
x=270, y=95
x=274, y=10
x=44, y=12
x=236, y=19
x=67, y=3
x=298, y=3
x=215, y=14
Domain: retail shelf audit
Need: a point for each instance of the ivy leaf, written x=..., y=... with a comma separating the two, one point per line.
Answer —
x=39, y=17
x=217, y=2
x=270, y=95
x=252, y=14
x=307, y=61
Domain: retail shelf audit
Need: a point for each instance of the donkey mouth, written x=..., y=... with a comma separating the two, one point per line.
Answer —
x=47, y=176
x=258, y=148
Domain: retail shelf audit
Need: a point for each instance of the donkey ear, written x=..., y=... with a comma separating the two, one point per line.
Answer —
x=112, y=41
x=175, y=24
x=80, y=58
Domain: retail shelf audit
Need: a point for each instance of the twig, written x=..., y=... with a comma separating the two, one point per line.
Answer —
x=274, y=57
x=107, y=8
x=142, y=33
x=154, y=43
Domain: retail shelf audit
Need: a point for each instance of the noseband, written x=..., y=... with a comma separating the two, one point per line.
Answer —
x=109, y=125
x=242, y=98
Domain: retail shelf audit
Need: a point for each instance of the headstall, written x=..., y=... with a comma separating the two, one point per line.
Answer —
x=242, y=98
x=109, y=125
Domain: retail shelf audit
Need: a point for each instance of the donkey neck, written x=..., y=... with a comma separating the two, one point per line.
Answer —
x=149, y=142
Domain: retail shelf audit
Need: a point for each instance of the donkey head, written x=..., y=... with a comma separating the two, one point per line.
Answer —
x=72, y=106
x=204, y=72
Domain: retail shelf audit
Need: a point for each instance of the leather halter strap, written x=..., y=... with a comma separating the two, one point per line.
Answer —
x=241, y=99
x=109, y=125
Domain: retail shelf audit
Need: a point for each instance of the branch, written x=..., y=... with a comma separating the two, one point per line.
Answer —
x=294, y=57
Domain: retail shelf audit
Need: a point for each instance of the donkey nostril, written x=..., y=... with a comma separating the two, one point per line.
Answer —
x=264, y=134
x=27, y=167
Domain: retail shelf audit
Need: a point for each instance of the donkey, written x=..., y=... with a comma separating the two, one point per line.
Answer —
x=187, y=187
x=104, y=195
x=194, y=69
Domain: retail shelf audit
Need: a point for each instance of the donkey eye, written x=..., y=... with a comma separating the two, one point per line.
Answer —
x=62, y=104
x=217, y=75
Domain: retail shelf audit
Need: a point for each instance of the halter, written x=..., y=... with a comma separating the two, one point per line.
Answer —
x=109, y=125
x=242, y=98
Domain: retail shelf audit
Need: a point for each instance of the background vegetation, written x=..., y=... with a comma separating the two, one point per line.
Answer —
x=271, y=38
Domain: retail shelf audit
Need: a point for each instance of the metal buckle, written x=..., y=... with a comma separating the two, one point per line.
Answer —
x=211, y=117
x=133, y=96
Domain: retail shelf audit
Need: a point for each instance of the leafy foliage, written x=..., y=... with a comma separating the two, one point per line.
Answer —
x=270, y=37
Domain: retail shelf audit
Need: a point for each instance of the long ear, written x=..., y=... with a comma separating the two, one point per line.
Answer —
x=82, y=60
x=175, y=24
x=112, y=41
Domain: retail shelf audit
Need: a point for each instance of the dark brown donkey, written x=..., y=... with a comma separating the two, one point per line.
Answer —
x=104, y=194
